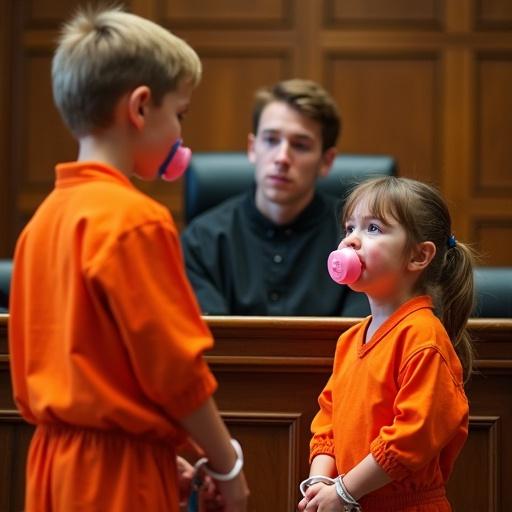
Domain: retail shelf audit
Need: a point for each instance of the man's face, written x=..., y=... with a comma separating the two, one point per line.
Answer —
x=287, y=153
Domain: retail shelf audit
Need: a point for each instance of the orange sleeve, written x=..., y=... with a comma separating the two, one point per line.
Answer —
x=429, y=410
x=142, y=283
x=322, y=441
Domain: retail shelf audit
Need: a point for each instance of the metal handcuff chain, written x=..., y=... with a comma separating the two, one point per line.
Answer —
x=341, y=491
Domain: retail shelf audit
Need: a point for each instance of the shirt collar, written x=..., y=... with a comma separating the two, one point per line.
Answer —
x=407, y=308
x=314, y=213
x=74, y=173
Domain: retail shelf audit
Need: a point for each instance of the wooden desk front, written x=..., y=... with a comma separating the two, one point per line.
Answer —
x=270, y=371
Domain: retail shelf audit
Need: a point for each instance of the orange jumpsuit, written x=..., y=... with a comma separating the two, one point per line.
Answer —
x=106, y=344
x=400, y=397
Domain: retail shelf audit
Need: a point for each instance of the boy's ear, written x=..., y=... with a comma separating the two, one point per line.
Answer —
x=250, y=148
x=422, y=255
x=138, y=101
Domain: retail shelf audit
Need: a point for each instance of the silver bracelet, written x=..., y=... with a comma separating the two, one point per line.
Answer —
x=350, y=503
x=224, y=477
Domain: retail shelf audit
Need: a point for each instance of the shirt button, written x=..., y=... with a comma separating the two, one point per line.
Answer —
x=274, y=296
x=277, y=258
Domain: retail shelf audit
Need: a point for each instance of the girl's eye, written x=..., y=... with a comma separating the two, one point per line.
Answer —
x=373, y=228
x=348, y=230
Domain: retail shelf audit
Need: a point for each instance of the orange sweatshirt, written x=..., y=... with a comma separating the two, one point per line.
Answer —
x=400, y=397
x=106, y=344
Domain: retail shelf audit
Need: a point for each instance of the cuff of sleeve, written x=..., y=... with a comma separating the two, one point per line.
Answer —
x=194, y=395
x=395, y=469
x=321, y=447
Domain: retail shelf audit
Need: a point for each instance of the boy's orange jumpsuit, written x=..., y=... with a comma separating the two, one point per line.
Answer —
x=400, y=397
x=106, y=345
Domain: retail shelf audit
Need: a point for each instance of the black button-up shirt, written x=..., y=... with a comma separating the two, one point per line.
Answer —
x=241, y=263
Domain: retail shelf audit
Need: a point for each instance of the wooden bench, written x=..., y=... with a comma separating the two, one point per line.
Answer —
x=270, y=371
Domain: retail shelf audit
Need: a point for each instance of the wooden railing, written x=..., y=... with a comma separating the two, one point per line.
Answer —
x=270, y=371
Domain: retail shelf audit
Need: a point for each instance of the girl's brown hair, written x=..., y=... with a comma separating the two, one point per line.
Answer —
x=424, y=215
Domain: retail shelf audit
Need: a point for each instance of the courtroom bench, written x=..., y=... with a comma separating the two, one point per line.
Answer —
x=270, y=371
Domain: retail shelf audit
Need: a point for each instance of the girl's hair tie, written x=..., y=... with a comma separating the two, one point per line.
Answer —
x=452, y=241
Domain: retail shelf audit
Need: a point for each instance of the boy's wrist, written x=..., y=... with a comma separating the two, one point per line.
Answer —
x=230, y=475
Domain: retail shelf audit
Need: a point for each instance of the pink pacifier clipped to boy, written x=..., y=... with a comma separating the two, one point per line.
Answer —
x=176, y=162
x=344, y=265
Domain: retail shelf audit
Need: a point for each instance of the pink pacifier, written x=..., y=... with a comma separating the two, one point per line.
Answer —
x=176, y=162
x=344, y=265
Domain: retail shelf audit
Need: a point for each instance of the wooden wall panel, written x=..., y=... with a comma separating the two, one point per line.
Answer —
x=220, y=115
x=426, y=80
x=227, y=13
x=493, y=14
x=478, y=463
x=15, y=437
x=401, y=13
x=494, y=116
x=50, y=13
x=45, y=136
x=489, y=233
x=390, y=105
x=7, y=186
x=272, y=445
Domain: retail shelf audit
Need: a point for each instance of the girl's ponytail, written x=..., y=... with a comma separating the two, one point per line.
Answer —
x=457, y=299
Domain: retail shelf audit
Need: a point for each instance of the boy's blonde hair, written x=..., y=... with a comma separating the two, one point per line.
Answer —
x=103, y=54
x=424, y=215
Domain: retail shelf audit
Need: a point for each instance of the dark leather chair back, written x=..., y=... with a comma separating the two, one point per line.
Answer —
x=213, y=177
x=5, y=284
x=493, y=287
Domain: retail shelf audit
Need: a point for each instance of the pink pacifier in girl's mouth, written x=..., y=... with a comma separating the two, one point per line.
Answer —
x=176, y=162
x=344, y=265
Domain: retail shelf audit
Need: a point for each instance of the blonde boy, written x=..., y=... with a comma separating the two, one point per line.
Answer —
x=107, y=363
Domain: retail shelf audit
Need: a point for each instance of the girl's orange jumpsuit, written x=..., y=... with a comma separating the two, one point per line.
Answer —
x=400, y=397
x=106, y=344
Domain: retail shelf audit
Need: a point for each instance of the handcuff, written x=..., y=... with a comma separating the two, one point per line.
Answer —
x=349, y=503
x=202, y=466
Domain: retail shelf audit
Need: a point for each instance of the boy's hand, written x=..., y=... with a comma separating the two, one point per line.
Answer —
x=233, y=494
x=322, y=498
x=185, y=474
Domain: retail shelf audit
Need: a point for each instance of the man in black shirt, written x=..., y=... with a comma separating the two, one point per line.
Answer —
x=265, y=252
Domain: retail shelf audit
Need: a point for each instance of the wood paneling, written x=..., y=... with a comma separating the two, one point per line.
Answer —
x=478, y=463
x=494, y=116
x=228, y=13
x=220, y=103
x=15, y=437
x=50, y=13
x=7, y=187
x=428, y=81
x=270, y=371
x=43, y=137
x=489, y=233
x=493, y=14
x=398, y=13
x=390, y=105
